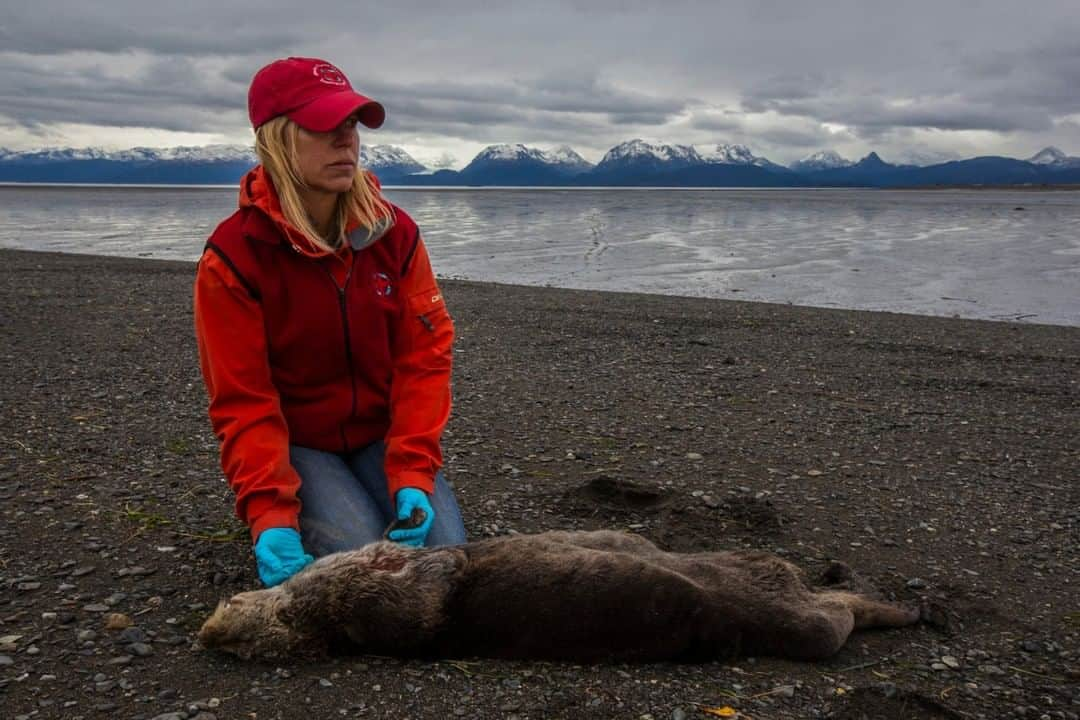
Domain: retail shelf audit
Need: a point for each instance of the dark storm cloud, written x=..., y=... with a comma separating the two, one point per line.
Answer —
x=165, y=92
x=196, y=28
x=581, y=95
x=997, y=91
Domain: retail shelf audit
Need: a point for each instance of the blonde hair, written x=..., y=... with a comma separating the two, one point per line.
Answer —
x=275, y=146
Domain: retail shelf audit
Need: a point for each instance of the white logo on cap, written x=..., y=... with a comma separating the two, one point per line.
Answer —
x=330, y=75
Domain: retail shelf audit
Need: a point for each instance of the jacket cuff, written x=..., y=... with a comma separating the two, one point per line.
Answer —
x=419, y=480
x=272, y=519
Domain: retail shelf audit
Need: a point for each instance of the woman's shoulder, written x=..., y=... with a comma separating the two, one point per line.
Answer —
x=230, y=226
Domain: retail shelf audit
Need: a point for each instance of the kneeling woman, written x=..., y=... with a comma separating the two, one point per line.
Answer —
x=323, y=337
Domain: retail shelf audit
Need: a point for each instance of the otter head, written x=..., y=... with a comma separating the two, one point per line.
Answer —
x=250, y=624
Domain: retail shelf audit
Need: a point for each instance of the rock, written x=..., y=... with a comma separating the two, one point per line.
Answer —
x=141, y=649
x=96, y=608
x=118, y=621
x=6, y=660
x=916, y=583
x=887, y=689
x=784, y=691
x=132, y=635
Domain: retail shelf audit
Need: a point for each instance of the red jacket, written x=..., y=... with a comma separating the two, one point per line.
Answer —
x=328, y=351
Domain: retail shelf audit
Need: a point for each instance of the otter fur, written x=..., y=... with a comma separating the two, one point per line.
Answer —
x=582, y=596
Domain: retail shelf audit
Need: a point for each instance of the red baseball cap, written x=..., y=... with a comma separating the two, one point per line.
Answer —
x=311, y=92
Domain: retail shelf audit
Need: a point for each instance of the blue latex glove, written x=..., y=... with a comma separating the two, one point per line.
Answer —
x=279, y=555
x=409, y=499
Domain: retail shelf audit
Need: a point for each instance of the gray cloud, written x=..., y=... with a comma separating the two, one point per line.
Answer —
x=779, y=76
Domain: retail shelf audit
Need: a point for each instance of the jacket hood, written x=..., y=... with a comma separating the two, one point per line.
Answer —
x=257, y=191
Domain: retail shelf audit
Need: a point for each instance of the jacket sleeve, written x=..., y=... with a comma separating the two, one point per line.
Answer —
x=245, y=410
x=420, y=382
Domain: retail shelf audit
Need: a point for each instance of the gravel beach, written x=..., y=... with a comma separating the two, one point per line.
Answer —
x=938, y=457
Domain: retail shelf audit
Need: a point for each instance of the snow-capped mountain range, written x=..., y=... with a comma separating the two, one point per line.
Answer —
x=633, y=162
x=373, y=156
x=563, y=157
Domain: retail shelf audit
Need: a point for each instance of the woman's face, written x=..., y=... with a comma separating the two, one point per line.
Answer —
x=328, y=160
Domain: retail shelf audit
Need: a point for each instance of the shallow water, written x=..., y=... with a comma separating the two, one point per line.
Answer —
x=1006, y=255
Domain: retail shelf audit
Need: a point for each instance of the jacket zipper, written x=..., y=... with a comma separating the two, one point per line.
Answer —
x=342, y=291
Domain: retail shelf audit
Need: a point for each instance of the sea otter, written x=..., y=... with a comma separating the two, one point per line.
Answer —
x=581, y=596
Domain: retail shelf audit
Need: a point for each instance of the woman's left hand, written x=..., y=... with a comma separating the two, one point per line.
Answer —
x=410, y=500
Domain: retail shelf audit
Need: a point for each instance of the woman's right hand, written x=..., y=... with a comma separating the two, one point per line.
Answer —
x=280, y=555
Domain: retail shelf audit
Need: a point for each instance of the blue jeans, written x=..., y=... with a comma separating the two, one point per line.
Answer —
x=345, y=502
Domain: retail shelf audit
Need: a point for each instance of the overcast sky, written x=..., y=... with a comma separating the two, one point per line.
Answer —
x=914, y=79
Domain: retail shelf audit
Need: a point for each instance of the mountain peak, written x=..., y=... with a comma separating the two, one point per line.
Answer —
x=505, y=151
x=563, y=156
x=1054, y=158
x=638, y=149
x=384, y=158
x=821, y=160
x=730, y=154
x=871, y=160
x=1047, y=156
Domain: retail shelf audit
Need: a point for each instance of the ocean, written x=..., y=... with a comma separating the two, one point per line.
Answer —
x=986, y=254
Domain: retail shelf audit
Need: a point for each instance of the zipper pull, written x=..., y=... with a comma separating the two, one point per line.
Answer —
x=427, y=323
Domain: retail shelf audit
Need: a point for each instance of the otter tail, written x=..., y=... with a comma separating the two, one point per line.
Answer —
x=872, y=613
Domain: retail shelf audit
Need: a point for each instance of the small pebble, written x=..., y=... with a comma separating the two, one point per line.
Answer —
x=117, y=621
x=132, y=635
x=141, y=649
